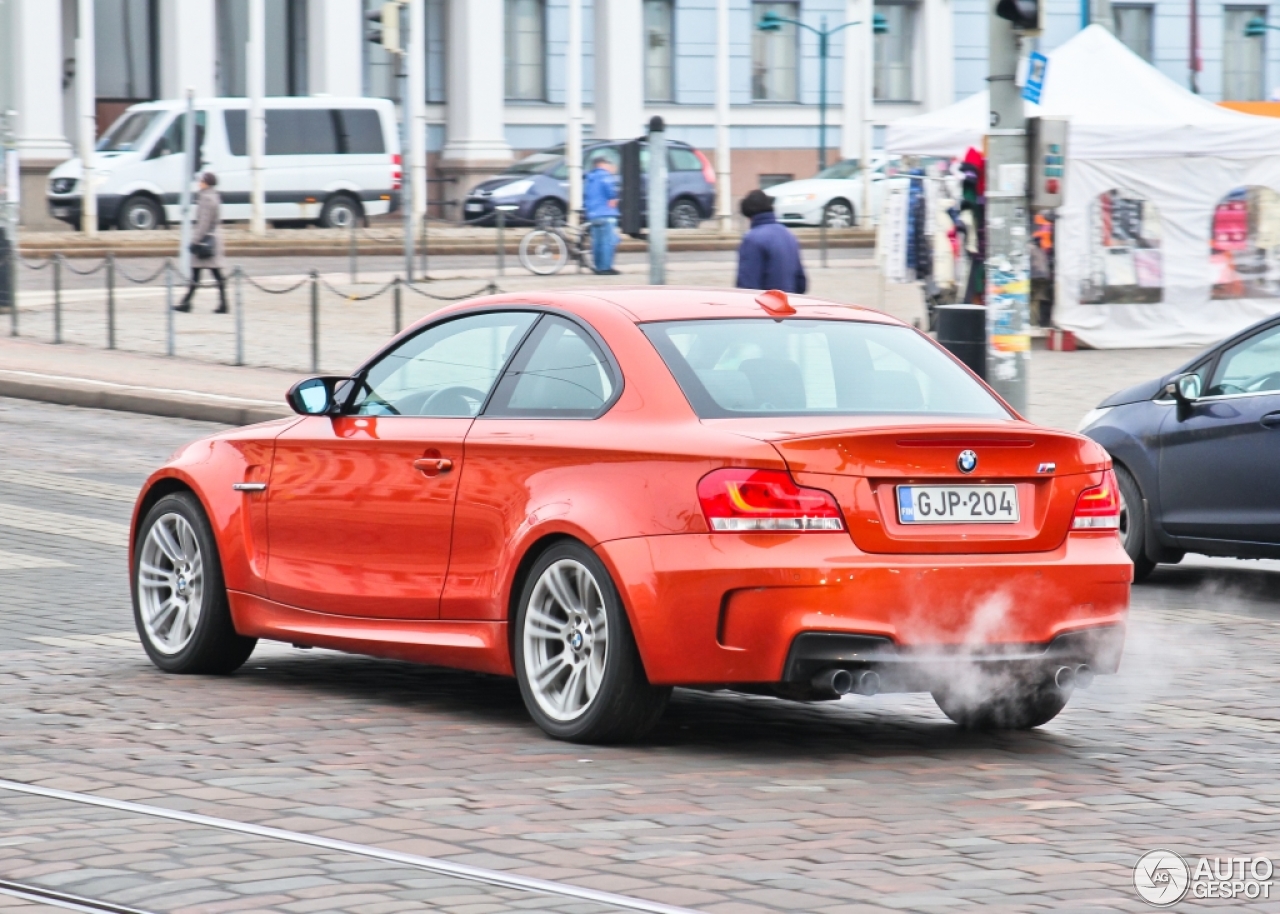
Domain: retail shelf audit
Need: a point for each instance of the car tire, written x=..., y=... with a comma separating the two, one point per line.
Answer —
x=1020, y=707
x=838, y=214
x=548, y=214
x=180, y=603
x=576, y=660
x=140, y=213
x=684, y=214
x=341, y=211
x=1133, y=524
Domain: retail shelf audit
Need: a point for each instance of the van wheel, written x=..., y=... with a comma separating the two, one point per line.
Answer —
x=340, y=212
x=576, y=660
x=140, y=213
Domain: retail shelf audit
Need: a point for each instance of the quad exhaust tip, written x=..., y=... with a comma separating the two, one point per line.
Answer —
x=1068, y=678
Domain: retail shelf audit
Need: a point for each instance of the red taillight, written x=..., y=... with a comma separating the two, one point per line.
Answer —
x=396, y=173
x=708, y=171
x=1098, y=507
x=741, y=500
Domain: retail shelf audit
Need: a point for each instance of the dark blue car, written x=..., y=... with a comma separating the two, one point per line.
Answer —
x=1197, y=454
x=538, y=186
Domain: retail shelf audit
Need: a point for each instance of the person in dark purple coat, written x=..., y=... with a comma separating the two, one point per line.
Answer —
x=769, y=256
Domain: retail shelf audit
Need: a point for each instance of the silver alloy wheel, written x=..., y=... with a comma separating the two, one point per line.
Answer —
x=838, y=215
x=341, y=214
x=170, y=583
x=566, y=640
x=140, y=217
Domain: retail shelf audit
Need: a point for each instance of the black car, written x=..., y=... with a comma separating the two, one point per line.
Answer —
x=1197, y=454
x=536, y=189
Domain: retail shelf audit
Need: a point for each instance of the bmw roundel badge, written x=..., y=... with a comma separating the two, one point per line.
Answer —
x=967, y=461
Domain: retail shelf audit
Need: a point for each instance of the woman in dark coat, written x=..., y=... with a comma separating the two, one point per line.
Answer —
x=208, y=223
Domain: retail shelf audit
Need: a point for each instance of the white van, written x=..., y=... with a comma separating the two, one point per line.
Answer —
x=328, y=160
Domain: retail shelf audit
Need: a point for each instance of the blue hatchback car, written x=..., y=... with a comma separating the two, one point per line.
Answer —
x=1197, y=454
x=538, y=186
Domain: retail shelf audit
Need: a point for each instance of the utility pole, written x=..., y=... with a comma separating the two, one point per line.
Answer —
x=255, y=60
x=85, y=103
x=1007, y=267
x=573, y=110
x=189, y=169
x=416, y=117
x=657, y=202
x=724, y=194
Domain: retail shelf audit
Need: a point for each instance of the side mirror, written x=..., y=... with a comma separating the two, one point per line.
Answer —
x=314, y=396
x=1185, y=389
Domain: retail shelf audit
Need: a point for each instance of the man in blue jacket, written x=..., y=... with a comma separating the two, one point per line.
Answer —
x=600, y=199
x=769, y=256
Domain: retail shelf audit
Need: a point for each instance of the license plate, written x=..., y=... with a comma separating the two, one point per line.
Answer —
x=60, y=211
x=958, y=504
x=475, y=207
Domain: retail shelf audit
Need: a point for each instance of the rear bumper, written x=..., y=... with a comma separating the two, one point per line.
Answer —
x=730, y=608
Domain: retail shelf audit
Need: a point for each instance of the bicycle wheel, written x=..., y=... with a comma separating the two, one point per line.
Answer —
x=543, y=252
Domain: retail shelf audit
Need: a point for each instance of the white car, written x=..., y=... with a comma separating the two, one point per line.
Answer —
x=835, y=193
x=327, y=160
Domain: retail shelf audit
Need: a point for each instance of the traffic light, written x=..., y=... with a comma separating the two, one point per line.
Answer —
x=632, y=205
x=1026, y=15
x=386, y=26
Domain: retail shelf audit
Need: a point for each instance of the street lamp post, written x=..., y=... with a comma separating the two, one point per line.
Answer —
x=1257, y=27
x=772, y=22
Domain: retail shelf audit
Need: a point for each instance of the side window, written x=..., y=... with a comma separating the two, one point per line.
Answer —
x=559, y=373
x=446, y=370
x=612, y=153
x=301, y=132
x=1252, y=366
x=172, y=141
x=234, y=121
x=360, y=131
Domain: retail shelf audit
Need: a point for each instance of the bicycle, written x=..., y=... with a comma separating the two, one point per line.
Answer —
x=545, y=251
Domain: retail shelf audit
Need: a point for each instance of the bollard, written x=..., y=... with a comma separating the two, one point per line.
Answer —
x=502, y=245
x=395, y=298
x=315, y=321
x=111, y=301
x=962, y=330
x=238, y=276
x=353, y=254
x=168, y=308
x=423, y=240
x=57, y=298
x=823, y=235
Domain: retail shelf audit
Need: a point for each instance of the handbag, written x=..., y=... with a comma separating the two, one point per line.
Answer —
x=203, y=248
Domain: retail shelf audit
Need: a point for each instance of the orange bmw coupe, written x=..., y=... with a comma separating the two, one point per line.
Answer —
x=609, y=493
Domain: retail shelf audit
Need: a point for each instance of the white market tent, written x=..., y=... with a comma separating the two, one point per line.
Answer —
x=1144, y=257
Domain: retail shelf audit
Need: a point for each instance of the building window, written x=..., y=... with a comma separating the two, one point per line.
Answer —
x=1133, y=28
x=435, y=50
x=659, y=50
x=774, y=55
x=286, y=47
x=526, y=34
x=383, y=70
x=1243, y=59
x=124, y=38
x=895, y=53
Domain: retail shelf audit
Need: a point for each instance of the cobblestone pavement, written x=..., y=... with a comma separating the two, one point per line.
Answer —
x=737, y=805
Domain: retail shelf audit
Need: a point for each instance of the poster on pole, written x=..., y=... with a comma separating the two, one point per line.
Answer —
x=893, y=237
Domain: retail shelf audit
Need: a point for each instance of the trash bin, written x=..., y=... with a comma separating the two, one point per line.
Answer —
x=962, y=330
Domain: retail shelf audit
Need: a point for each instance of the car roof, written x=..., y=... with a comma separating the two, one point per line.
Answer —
x=647, y=303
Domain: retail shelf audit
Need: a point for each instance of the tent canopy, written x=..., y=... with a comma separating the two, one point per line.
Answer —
x=1119, y=105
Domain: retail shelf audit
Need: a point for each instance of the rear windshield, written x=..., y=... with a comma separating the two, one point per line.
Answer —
x=762, y=367
x=535, y=164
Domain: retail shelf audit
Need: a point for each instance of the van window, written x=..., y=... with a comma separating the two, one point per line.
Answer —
x=127, y=131
x=311, y=131
x=360, y=131
x=171, y=142
x=301, y=132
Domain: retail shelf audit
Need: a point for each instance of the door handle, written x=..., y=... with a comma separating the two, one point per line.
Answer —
x=431, y=466
x=1270, y=420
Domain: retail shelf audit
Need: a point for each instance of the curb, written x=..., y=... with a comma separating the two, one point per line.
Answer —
x=168, y=404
